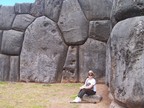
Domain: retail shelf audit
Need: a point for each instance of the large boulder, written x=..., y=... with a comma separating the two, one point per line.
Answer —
x=42, y=52
x=4, y=67
x=7, y=16
x=22, y=21
x=100, y=30
x=11, y=42
x=123, y=9
x=37, y=8
x=52, y=9
x=126, y=47
x=73, y=23
x=96, y=9
x=14, y=73
x=23, y=8
x=70, y=69
x=92, y=56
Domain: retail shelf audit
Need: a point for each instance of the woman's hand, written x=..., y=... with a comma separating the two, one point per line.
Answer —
x=82, y=87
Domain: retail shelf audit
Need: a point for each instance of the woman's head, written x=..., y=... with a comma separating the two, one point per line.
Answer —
x=91, y=73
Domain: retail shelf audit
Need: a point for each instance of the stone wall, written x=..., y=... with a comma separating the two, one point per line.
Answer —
x=125, y=57
x=54, y=40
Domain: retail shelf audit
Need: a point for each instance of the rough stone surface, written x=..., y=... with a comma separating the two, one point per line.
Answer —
x=14, y=68
x=92, y=56
x=23, y=8
x=126, y=49
x=11, y=42
x=70, y=69
x=7, y=15
x=0, y=39
x=4, y=67
x=42, y=52
x=37, y=8
x=96, y=9
x=115, y=105
x=22, y=21
x=52, y=9
x=92, y=98
x=123, y=9
x=73, y=23
x=100, y=30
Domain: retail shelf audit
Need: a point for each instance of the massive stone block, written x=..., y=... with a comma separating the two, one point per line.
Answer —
x=7, y=15
x=70, y=69
x=52, y=9
x=4, y=67
x=11, y=42
x=0, y=39
x=73, y=23
x=22, y=21
x=96, y=9
x=92, y=56
x=14, y=73
x=123, y=9
x=100, y=30
x=37, y=8
x=23, y=8
x=41, y=57
x=127, y=58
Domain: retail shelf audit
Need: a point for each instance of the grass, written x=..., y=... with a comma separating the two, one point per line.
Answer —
x=35, y=95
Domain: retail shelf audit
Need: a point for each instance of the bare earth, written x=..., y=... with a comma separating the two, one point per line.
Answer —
x=33, y=95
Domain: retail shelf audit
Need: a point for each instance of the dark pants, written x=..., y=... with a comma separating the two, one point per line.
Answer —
x=86, y=91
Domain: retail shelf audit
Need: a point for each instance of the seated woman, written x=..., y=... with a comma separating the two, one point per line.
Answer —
x=88, y=88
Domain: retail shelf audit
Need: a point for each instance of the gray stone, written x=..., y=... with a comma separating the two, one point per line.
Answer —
x=7, y=16
x=126, y=49
x=92, y=98
x=0, y=39
x=41, y=56
x=23, y=8
x=37, y=8
x=22, y=21
x=123, y=9
x=73, y=23
x=100, y=30
x=115, y=105
x=52, y=9
x=96, y=9
x=11, y=42
x=70, y=69
x=92, y=56
x=4, y=67
x=14, y=73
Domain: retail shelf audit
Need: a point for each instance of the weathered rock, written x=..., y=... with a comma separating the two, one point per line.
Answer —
x=0, y=39
x=115, y=105
x=92, y=57
x=4, y=67
x=70, y=69
x=22, y=21
x=73, y=23
x=52, y=9
x=11, y=42
x=96, y=9
x=92, y=98
x=42, y=52
x=126, y=49
x=100, y=30
x=14, y=73
x=37, y=8
x=7, y=15
x=123, y=9
x=23, y=8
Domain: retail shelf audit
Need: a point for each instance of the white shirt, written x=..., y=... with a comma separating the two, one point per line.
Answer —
x=91, y=82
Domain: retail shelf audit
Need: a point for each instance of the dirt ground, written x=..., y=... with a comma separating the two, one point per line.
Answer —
x=33, y=95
